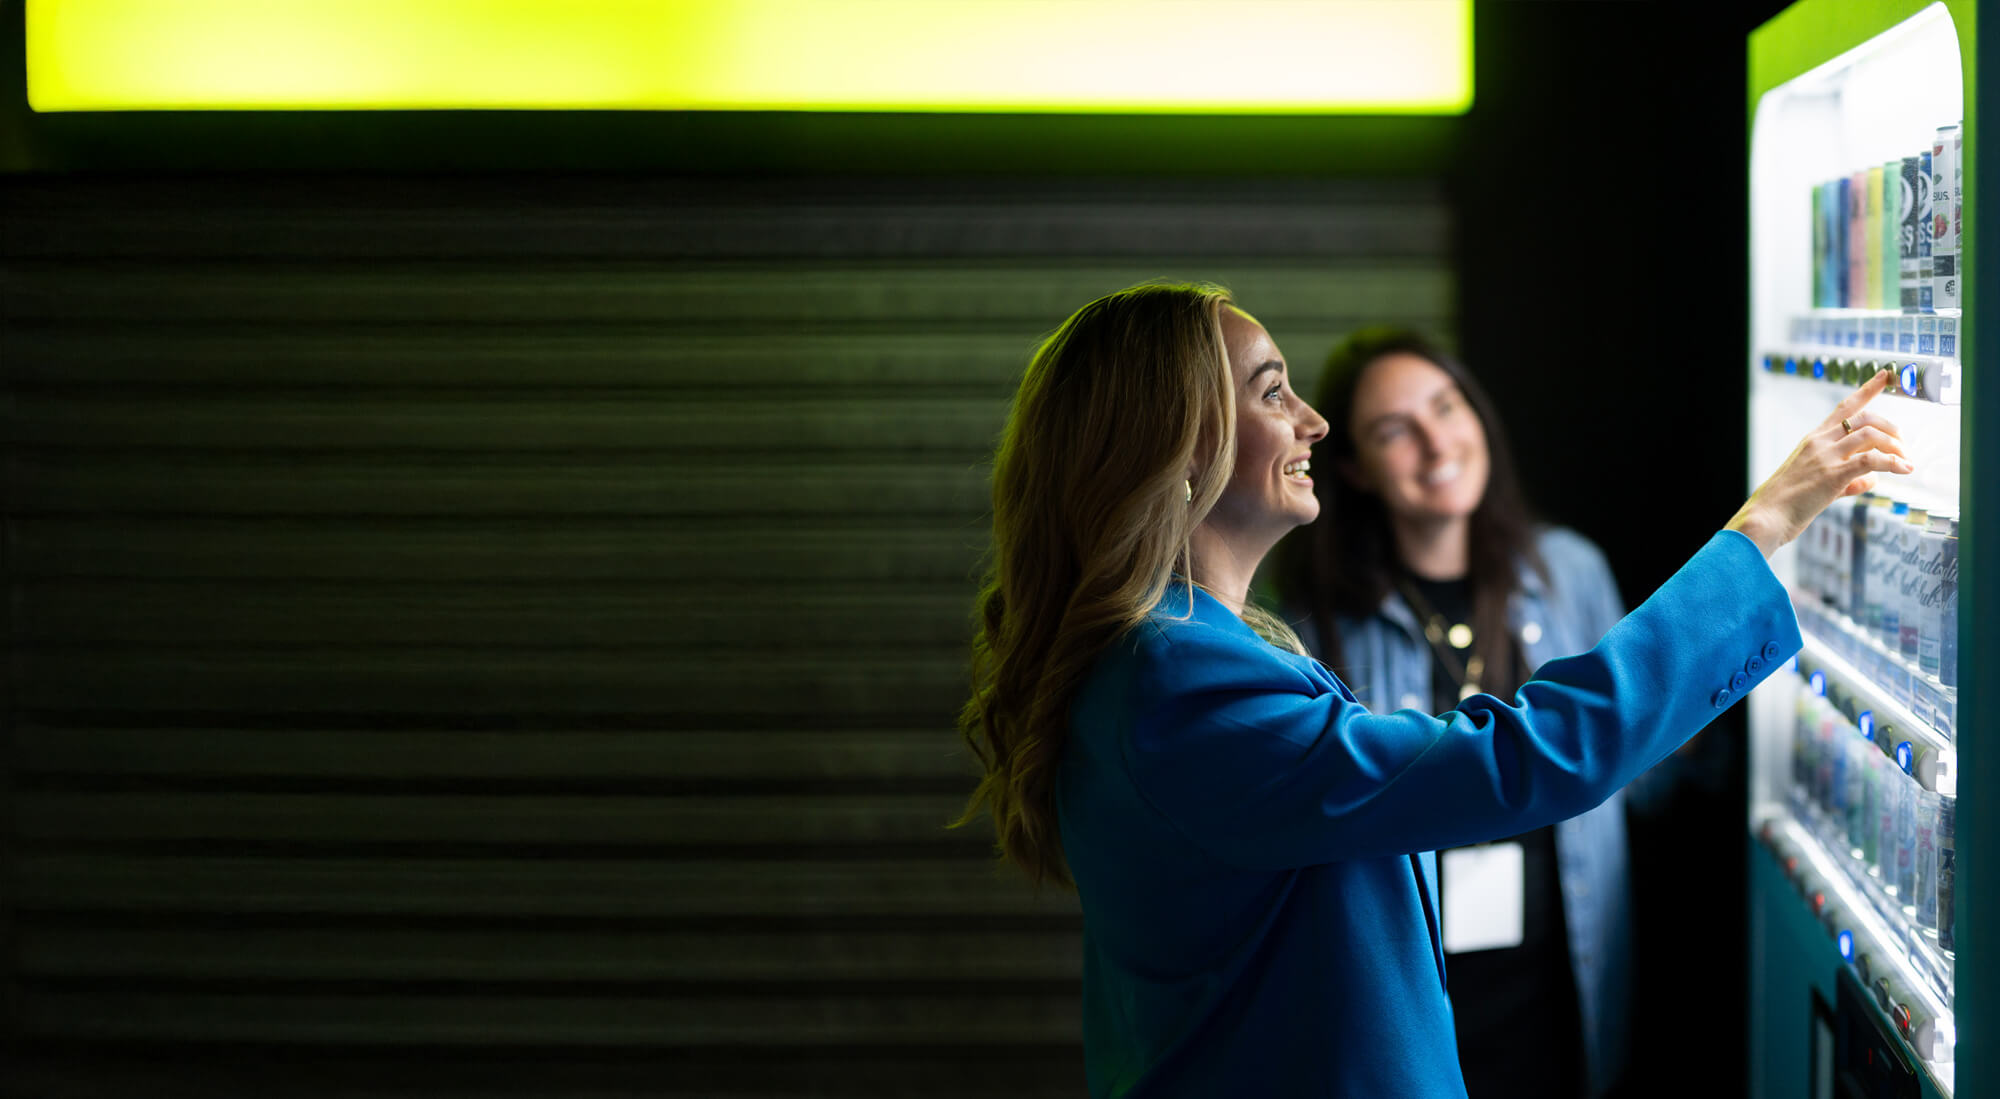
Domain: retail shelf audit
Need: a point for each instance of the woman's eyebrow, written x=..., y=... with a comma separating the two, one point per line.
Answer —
x=1273, y=364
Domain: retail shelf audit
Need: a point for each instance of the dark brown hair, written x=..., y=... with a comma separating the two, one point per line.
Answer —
x=1344, y=563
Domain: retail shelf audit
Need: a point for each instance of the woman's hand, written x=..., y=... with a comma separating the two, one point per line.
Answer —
x=1829, y=463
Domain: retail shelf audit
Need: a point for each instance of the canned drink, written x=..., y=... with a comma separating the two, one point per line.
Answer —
x=1884, y=865
x=1892, y=235
x=1926, y=859
x=1871, y=232
x=1925, y=208
x=1871, y=572
x=1947, y=601
x=1863, y=801
x=1947, y=854
x=1930, y=607
x=1910, y=588
x=1841, y=192
x=1857, y=555
x=1944, y=218
x=1910, y=204
x=1906, y=837
x=1835, y=575
x=1856, y=211
x=1886, y=570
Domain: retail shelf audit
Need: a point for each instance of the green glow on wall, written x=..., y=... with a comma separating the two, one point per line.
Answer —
x=1029, y=56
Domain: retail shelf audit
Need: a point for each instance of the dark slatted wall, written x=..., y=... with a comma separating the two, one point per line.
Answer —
x=503, y=638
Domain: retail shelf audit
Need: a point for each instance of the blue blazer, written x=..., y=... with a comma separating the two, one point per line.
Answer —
x=1247, y=840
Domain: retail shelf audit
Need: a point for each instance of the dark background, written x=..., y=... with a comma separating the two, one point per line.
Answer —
x=1596, y=196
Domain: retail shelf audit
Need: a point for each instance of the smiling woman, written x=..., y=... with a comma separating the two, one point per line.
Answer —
x=1250, y=845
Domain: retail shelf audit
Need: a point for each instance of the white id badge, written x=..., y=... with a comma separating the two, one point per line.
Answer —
x=1484, y=896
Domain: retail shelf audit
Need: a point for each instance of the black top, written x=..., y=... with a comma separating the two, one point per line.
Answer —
x=1520, y=1032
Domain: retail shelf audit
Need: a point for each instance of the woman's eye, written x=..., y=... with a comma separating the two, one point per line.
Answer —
x=1274, y=392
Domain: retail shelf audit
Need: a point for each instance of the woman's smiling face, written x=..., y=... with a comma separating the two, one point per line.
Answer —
x=1270, y=489
x=1418, y=443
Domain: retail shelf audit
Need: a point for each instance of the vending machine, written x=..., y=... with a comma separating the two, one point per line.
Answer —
x=1873, y=772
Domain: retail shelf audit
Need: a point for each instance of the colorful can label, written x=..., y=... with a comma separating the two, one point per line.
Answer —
x=1930, y=612
x=1947, y=672
x=1947, y=878
x=1906, y=245
x=1925, y=209
x=1944, y=218
x=1925, y=895
x=1855, y=195
x=1892, y=235
x=1871, y=232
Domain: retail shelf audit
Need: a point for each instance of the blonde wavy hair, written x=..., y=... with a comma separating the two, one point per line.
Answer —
x=1091, y=522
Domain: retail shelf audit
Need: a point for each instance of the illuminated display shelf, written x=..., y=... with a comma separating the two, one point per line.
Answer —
x=1887, y=946
x=1888, y=710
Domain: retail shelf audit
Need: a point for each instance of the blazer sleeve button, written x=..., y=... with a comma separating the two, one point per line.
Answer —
x=1738, y=682
x=1721, y=698
x=1770, y=651
x=1754, y=665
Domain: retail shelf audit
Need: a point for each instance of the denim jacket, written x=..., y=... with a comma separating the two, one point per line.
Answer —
x=1388, y=666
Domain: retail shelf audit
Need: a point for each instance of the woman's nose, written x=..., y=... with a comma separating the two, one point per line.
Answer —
x=1313, y=427
x=1428, y=437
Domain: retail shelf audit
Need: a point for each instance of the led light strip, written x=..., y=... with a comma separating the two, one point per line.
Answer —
x=1095, y=56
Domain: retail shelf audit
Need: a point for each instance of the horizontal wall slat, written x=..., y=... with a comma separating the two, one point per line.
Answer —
x=637, y=889
x=889, y=361
x=1036, y=299
x=679, y=685
x=996, y=1016
x=213, y=613
x=442, y=484
x=710, y=226
x=735, y=420
x=336, y=954
x=797, y=820
x=534, y=549
x=770, y=755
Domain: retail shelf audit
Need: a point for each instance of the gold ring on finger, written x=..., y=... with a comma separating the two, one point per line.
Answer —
x=1845, y=427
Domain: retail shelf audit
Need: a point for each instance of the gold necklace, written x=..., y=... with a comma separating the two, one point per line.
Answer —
x=1444, y=639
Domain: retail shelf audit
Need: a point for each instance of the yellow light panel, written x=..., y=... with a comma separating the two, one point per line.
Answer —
x=1084, y=56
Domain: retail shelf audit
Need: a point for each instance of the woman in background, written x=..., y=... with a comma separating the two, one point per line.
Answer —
x=1425, y=580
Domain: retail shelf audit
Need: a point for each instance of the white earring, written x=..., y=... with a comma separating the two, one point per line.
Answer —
x=1189, y=486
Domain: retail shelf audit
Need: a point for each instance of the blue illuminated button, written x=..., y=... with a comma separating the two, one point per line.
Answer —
x=1903, y=755
x=1791, y=365
x=1846, y=940
x=1908, y=376
x=1866, y=722
x=1770, y=362
x=1818, y=682
x=1819, y=368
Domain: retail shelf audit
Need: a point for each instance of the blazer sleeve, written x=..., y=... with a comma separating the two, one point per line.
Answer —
x=1250, y=763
